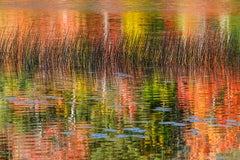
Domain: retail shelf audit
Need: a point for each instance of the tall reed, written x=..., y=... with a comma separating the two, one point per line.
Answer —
x=25, y=49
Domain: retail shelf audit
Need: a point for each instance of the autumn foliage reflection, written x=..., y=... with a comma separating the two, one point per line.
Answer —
x=212, y=100
x=85, y=84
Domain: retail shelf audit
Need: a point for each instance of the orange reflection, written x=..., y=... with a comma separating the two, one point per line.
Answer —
x=49, y=142
x=189, y=16
x=127, y=99
x=214, y=100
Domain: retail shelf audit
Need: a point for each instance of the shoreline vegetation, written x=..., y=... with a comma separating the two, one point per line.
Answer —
x=28, y=50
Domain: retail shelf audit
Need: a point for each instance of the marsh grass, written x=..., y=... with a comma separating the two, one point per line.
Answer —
x=27, y=49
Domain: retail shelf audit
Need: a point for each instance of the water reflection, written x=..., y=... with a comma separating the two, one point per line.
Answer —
x=213, y=101
x=59, y=104
x=83, y=116
x=186, y=16
x=44, y=120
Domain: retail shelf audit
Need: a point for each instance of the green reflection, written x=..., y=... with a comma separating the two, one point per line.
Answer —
x=30, y=102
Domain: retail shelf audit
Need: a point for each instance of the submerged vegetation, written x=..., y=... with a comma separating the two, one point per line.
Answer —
x=30, y=49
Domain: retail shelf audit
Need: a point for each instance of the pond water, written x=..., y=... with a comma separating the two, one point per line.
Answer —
x=54, y=107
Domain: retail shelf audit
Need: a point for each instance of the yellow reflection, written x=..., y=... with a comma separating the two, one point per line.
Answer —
x=133, y=22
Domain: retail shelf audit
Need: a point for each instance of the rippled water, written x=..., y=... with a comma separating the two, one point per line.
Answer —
x=144, y=116
x=162, y=112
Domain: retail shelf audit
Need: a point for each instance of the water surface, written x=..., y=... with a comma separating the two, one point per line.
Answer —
x=54, y=109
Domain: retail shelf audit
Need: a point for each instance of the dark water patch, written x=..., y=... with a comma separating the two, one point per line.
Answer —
x=95, y=99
